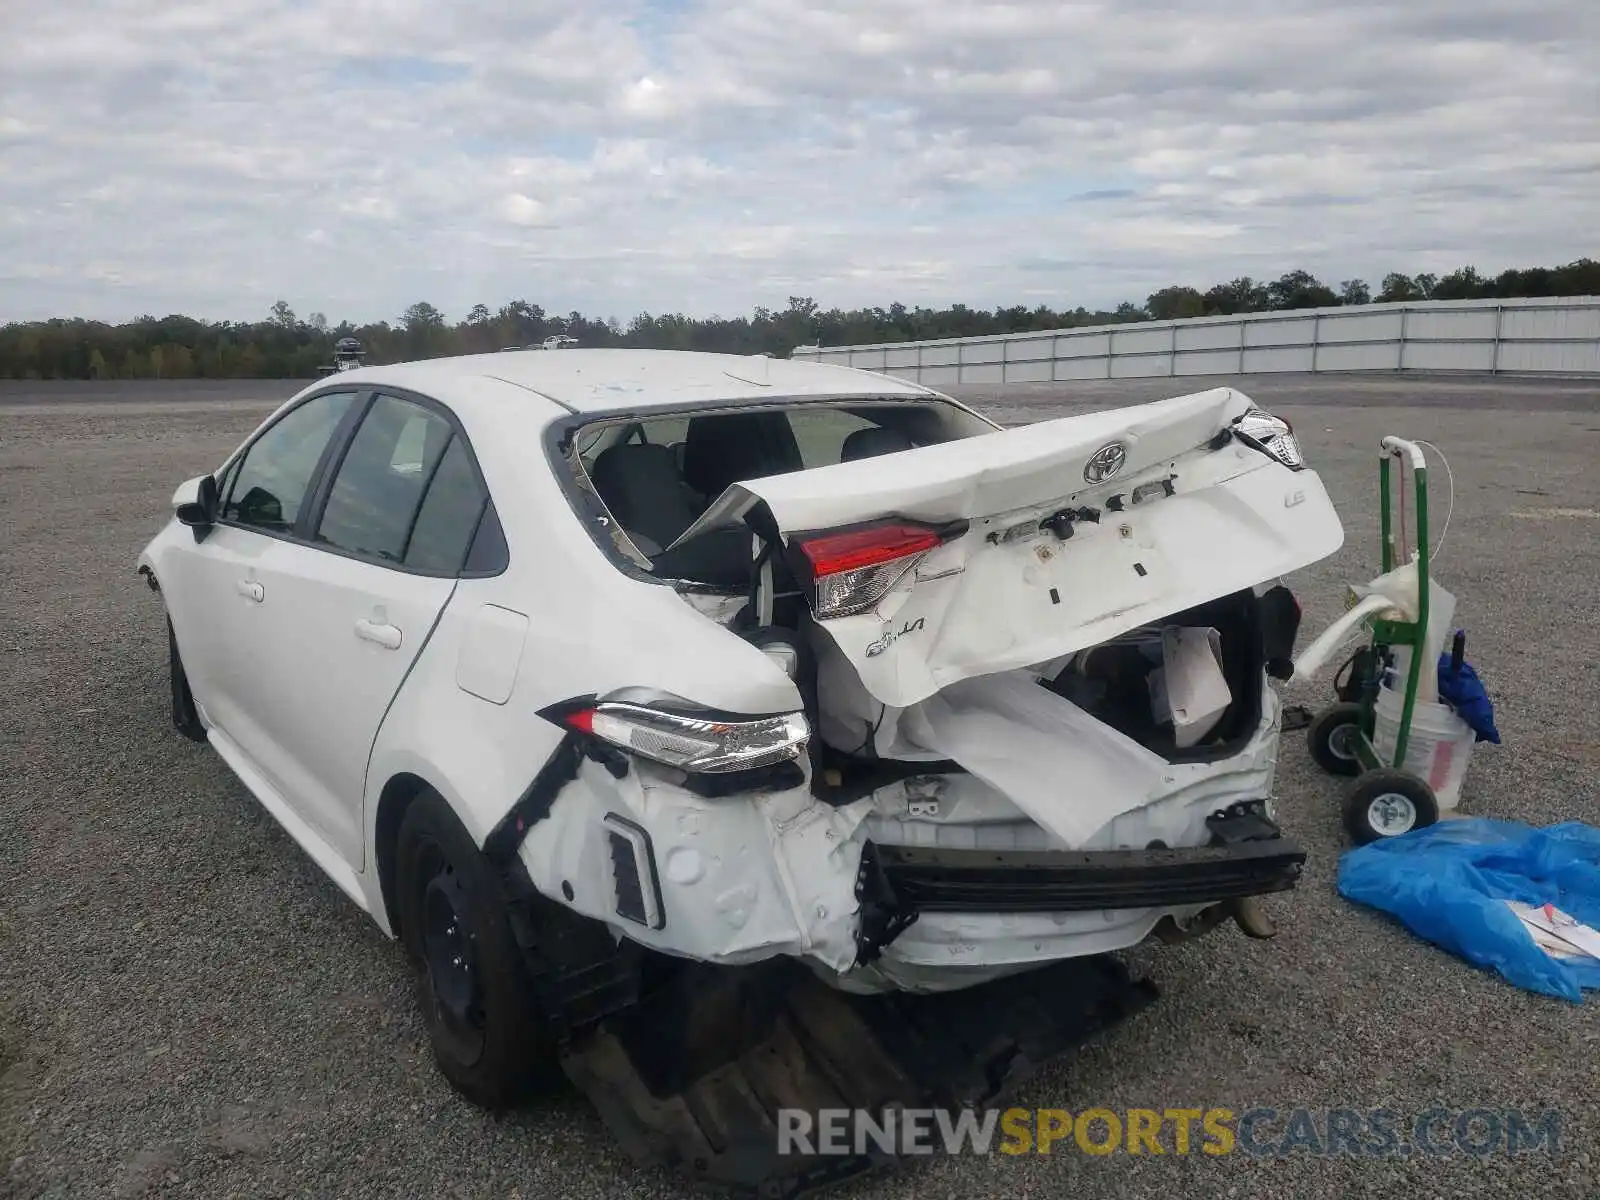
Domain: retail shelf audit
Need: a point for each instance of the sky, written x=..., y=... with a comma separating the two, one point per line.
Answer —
x=627, y=156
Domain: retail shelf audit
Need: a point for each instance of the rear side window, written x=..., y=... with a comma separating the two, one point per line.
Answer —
x=449, y=514
x=270, y=482
x=489, y=553
x=407, y=492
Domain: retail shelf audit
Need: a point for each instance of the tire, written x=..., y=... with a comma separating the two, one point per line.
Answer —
x=477, y=998
x=1387, y=803
x=1327, y=736
x=185, y=717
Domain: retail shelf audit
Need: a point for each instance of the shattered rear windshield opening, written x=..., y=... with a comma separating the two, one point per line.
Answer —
x=648, y=476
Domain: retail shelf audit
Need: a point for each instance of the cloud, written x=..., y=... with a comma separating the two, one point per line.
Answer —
x=713, y=155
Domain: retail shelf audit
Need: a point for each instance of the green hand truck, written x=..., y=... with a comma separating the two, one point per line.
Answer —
x=1386, y=800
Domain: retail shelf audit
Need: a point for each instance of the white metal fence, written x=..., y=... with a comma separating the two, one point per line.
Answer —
x=1553, y=336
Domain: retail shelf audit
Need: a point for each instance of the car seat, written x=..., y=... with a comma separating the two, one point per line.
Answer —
x=642, y=487
x=646, y=494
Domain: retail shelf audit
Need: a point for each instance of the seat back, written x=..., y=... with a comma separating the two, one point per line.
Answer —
x=641, y=486
x=729, y=447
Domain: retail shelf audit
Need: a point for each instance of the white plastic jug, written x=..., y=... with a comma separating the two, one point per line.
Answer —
x=1438, y=750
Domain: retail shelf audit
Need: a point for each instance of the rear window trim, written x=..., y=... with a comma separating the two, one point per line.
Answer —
x=561, y=434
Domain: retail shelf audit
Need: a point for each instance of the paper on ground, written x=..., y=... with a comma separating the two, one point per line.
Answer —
x=1555, y=932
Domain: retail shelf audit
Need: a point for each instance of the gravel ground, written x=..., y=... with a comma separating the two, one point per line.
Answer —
x=188, y=1008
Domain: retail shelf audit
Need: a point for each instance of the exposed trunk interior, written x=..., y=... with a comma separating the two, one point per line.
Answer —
x=1111, y=681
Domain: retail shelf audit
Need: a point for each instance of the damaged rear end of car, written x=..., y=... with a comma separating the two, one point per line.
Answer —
x=1016, y=713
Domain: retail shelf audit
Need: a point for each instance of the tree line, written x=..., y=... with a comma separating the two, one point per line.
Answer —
x=283, y=346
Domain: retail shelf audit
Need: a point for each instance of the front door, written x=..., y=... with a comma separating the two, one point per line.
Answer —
x=324, y=622
x=209, y=585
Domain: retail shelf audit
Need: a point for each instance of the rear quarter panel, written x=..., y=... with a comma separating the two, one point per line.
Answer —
x=590, y=629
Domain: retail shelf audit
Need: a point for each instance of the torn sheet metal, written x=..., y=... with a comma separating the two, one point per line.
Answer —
x=1069, y=772
x=1557, y=933
x=740, y=882
x=984, y=601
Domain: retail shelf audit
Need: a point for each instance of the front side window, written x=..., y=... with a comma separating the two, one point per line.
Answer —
x=225, y=476
x=270, y=482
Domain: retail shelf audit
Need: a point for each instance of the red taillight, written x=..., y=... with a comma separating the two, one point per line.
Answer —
x=850, y=570
x=831, y=553
x=580, y=719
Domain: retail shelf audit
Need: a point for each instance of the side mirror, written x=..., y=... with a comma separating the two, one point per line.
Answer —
x=195, y=502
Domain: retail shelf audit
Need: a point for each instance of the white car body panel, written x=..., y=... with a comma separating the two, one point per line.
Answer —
x=744, y=879
x=973, y=607
x=317, y=721
x=287, y=813
x=285, y=670
x=1068, y=772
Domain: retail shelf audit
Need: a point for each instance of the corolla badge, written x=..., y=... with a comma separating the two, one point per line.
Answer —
x=891, y=636
x=1105, y=462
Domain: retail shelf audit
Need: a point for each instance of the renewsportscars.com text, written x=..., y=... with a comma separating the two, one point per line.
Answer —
x=1259, y=1132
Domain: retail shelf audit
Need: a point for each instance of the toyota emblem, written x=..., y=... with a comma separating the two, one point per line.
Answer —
x=1105, y=462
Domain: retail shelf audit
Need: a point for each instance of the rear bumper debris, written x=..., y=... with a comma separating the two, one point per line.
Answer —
x=926, y=908
x=693, y=1078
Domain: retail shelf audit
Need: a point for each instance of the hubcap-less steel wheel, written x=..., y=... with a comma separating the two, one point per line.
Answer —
x=1339, y=742
x=1334, y=740
x=1392, y=814
x=449, y=952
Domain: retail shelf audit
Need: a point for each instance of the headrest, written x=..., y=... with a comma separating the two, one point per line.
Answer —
x=873, y=441
x=729, y=447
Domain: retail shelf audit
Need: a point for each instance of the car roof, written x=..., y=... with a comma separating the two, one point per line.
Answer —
x=590, y=380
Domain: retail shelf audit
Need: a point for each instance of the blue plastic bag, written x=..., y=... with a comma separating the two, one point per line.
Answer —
x=1448, y=883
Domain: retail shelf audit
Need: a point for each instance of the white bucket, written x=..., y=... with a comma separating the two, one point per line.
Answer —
x=1438, y=750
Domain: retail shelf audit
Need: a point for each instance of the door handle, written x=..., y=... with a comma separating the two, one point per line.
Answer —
x=251, y=590
x=387, y=636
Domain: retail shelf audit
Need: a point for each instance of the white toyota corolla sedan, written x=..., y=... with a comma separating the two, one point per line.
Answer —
x=571, y=668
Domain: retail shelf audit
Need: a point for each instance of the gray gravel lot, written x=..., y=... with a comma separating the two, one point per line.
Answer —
x=188, y=1008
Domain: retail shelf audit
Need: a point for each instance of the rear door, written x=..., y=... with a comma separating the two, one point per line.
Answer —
x=333, y=618
x=1009, y=549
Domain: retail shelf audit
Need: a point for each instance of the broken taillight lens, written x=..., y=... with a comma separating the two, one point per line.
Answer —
x=850, y=570
x=690, y=739
x=1271, y=435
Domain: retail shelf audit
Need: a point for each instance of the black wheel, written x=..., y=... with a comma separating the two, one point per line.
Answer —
x=477, y=999
x=185, y=717
x=1331, y=736
x=1387, y=803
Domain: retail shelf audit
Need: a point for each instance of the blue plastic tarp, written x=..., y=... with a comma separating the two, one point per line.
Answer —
x=1448, y=883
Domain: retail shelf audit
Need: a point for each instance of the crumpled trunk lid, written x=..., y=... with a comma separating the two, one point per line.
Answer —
x=1183, y=517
